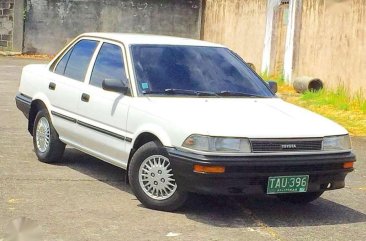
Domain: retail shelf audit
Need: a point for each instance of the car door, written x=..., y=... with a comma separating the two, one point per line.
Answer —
x=103, y=114
x=66, y=82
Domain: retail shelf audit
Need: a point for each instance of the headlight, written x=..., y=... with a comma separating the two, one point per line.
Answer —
x=217, y=144
x=336, y=143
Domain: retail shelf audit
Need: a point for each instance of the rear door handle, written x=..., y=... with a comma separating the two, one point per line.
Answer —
x=52, y=86
x=85, y=97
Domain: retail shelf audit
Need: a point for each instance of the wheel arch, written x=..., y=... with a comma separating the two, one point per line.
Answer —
x=142, y=138
x=36, y=105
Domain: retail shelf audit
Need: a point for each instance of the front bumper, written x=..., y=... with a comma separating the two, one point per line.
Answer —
x=249, y=174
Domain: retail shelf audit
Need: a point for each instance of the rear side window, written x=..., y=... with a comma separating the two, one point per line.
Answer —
x=60, y=69
x=79, y=59
x=108, y=65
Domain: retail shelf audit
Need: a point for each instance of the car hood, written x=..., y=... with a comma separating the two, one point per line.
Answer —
x=240, y=117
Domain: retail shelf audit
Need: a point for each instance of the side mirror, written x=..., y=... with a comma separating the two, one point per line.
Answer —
x=115, y=85
x=273, y=86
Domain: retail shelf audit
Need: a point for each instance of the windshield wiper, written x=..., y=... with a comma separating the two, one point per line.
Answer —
x=152, y=92
x=233, y=93
x=191, y=92
x=181, y=92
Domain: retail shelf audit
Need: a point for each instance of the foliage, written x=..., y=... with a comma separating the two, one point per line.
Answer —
x=339, y=98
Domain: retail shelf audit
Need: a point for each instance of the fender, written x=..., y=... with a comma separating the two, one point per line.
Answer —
x=156, y=130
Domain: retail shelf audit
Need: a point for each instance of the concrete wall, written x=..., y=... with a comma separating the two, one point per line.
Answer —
x=11, y=25
x=239, y=24
x=50, y=24
x=332, y=44
x=6, y=24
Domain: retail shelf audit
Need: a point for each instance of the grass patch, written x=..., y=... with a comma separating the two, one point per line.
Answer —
x=340, y=99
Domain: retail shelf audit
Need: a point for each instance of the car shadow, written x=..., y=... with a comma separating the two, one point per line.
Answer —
x=223, y=211
x=95, y=168
x=240, y=211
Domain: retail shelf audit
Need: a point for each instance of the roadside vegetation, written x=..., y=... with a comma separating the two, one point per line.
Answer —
x=338, y=104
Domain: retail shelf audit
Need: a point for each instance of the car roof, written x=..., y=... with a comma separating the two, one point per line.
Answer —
x=130, y=39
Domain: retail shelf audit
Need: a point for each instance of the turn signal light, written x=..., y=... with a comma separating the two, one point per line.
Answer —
x=348, y=165
x=208, y=169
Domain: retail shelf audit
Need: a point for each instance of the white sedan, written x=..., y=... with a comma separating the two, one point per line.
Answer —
x=181, y=116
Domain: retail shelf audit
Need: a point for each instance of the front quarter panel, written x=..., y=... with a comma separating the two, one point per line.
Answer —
x=143, y=117
x=154, y=129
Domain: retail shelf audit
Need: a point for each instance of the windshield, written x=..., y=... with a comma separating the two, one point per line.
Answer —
x=189, y=70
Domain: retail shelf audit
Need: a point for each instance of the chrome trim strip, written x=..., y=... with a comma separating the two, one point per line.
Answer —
x=63, y=116
x=101, y=130
x=294, y=153
x=288, y=139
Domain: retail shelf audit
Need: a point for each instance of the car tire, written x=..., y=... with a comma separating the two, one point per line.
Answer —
x=300, y=198
x=152, y=180
x=47, y=145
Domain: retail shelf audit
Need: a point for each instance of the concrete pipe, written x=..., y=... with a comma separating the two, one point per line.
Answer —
x=302, y=84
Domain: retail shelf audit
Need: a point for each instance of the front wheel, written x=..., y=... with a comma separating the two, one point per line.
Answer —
x=152, y=179
x=299, y=198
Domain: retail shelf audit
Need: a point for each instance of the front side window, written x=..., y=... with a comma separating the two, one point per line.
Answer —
x=167, y=69
x=108, y=65
x=79, y=59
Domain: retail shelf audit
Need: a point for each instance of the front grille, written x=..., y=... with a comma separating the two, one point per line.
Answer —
x=286, y=145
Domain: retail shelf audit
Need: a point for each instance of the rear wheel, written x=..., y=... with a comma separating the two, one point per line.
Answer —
x=152, y=179
x=300, y=198
x=47, y=145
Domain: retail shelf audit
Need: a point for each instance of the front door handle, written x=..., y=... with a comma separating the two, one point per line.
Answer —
x=52, y=86
x=85, y=97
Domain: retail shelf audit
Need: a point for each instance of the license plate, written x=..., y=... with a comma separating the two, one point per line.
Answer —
x=287, y=184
